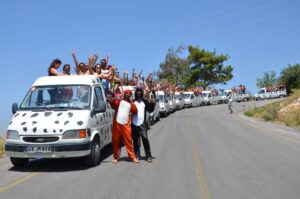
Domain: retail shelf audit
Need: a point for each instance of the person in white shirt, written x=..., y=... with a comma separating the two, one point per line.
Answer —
x=139, y=127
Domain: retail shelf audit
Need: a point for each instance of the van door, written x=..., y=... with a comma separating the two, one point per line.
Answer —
x=104, y=119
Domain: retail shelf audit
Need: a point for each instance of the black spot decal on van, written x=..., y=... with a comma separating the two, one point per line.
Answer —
x=45, y=131
x=16, y=115
x=23, y=114
x=70, y=114
x=24, y=129
x=34, y=115
x=23, y=123
x=47, y=114
x=101, y=118
x=10, y=122
x=80, y=123
x=93, y=81
x=66, y=122
x=61, y=130
x=59, y=114
x=34, y=122
x=56, y=122
x=34, y=129
x=54, y=131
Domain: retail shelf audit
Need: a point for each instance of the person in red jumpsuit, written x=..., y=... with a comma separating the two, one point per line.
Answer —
x=122, y=125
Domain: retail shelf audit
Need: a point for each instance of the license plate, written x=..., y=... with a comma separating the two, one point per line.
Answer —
x=38, y=149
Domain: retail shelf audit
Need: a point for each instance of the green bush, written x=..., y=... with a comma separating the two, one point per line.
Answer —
x=270, y=112
x=2, y=143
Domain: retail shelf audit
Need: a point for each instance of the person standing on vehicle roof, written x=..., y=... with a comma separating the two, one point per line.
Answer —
x=139, y=127
x=122, y=125
x=52, y=69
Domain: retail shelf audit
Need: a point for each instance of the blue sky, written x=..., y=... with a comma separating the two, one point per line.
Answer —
x=258, y=35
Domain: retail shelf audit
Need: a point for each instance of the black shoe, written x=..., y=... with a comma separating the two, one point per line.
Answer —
x=138, y=157
x=149, y=159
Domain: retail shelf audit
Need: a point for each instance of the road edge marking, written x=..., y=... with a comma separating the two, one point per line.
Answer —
x=198, y=167
x=17, y=182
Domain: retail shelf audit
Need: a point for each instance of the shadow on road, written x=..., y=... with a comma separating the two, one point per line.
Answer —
x=61, y=165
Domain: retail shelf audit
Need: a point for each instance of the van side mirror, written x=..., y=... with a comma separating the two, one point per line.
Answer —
x=14, y=108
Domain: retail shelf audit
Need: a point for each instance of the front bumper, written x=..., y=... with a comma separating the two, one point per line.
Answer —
x=57, y=150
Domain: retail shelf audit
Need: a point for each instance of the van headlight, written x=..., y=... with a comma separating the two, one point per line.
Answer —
x=12, y=135
x=75, y=134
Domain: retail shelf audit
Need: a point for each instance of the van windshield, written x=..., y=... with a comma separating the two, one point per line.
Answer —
x=58, y=97
x=187, y=96
x=160, y=98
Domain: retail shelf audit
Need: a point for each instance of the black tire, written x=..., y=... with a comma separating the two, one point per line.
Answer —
x=19, y=162
x=158, y=118
x=94, y=158
x=151, y=121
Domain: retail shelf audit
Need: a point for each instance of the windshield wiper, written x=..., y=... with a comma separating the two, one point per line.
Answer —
x=43, y=106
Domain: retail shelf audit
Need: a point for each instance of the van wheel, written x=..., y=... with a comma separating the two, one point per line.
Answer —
x=95, y=156
x=158, y=118
x=19, y=162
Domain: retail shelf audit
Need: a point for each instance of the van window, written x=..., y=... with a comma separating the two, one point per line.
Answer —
x=98, y=97
x=57, y=96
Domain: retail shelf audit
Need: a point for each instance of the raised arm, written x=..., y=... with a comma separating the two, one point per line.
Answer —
x=133, y=73
x=76, y=62
x=140, y=74
x=90, y=66
x=107, y=58
x=95, y=57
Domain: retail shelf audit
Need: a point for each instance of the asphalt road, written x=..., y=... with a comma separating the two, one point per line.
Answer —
x=199, y=153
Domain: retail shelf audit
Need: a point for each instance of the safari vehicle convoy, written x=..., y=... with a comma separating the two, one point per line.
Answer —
x=60, y=117
x=69, y=116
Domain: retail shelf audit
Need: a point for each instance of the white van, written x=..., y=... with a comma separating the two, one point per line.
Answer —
x=172, y=102
x=60, y=117
x=164, y=107
x=209, y=98
x=154, y=116
x=189, y=99
x=179, y=101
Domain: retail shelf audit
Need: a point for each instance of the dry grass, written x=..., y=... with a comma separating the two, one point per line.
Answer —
x=2, y=142
x=270, y=112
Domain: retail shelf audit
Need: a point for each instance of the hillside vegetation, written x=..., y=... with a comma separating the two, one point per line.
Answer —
x=2, y=142
x=287, y=111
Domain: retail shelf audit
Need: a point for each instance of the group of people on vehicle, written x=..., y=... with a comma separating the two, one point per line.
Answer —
x=129, y=121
